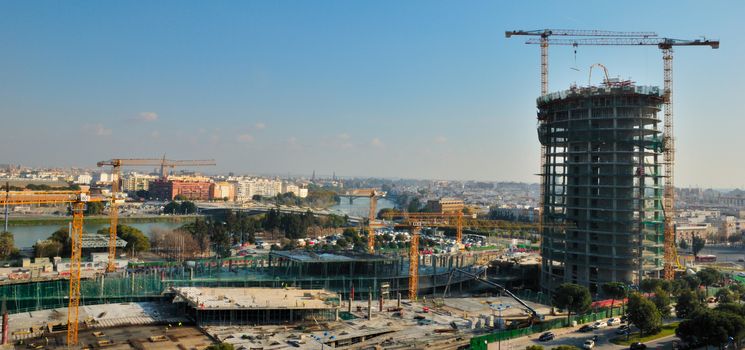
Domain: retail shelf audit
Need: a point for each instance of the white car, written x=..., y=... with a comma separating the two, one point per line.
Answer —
x=598, y=325
x=614, y=321
x=588, y=344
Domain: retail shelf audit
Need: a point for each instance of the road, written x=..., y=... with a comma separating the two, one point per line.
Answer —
x=570, y=336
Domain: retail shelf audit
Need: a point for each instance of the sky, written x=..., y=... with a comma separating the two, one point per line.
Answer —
x=411, y=89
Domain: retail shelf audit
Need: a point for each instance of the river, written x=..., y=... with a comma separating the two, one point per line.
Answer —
x=27, y=235
x=361, y=206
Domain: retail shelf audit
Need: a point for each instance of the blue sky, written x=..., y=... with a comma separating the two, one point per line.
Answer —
x=422, y=89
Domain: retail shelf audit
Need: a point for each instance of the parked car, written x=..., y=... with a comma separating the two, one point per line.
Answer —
x=598, y=325
x=614, y=321
x=624, y=319
x=622, y=330
x=637, y=346
x=586, y=328
x=588, y=344
x=546, y=336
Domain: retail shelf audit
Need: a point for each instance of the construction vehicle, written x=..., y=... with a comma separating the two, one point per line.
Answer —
x=77, y=200
x=534, y=315
x=605, y=38
x=117, y=197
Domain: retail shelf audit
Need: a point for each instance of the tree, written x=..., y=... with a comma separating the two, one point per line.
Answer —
x=175, y=244
x=708, y=277
x=711, y=327
x=643, y=314
x=188, y=207
x=565, y=347
x=614, y=291
x=534, y=347
x=687, y=304
x=62, y=236
x=8, y=248
x=725, y=296
x=94, y=208
x=414, y=205
x=573, y=298
x=697, y=245
x=342, y=243
x=171, y=208
x=683, y=244
x=136, y=240
x=47, y=249
x=662, y=301
x=649, y=285
x=738, y=291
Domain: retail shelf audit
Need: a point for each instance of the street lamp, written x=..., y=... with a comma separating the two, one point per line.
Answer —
x=499, y=308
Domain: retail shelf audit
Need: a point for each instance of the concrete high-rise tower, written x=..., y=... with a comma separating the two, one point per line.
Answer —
x=603, y=183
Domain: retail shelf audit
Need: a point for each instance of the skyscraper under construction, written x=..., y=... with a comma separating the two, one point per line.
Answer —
x=603, y=186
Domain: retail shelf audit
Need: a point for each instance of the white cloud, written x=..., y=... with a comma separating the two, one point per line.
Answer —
x=245, y=138
x=147, y=116
x=344, y=136
x=441, y=139
x=97, y=129
x=377, y=143
x=260, y=126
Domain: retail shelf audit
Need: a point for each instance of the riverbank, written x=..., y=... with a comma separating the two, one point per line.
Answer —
x=100, y=219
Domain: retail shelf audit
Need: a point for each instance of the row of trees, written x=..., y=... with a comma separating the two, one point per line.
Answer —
x=58, y=243
x=184, y=208
x=319, y=197
x=647, y=313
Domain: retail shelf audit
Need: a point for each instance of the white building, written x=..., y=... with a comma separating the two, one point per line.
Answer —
x=84, y=179
x=246, y=188
x=134, y=182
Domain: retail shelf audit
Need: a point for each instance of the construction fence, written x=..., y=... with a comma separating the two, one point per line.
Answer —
x=482, y=342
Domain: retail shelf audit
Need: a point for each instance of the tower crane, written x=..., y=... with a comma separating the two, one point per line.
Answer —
x=117, y=198
x=666, y=45
x=544, y=35
x=372, y=194
x=77, y=200
x=415, y=221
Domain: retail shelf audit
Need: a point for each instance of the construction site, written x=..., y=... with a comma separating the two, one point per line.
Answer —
x=606, y=209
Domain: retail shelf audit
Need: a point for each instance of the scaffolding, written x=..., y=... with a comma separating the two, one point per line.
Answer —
x=602, y=176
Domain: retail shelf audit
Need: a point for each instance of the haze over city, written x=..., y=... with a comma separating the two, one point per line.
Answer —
x=381, y=89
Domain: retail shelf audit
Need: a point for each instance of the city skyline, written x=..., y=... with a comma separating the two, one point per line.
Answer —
x=370, y=89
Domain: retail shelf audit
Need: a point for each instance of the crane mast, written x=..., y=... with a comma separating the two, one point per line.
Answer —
x=78, y=200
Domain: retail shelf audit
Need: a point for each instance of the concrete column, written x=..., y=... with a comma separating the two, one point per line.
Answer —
x=350, y=303
x=398, y=302
x=380, y=302
x=369, y=306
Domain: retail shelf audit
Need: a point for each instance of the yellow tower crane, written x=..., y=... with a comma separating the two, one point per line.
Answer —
x=77, y=200
x=117, y=198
